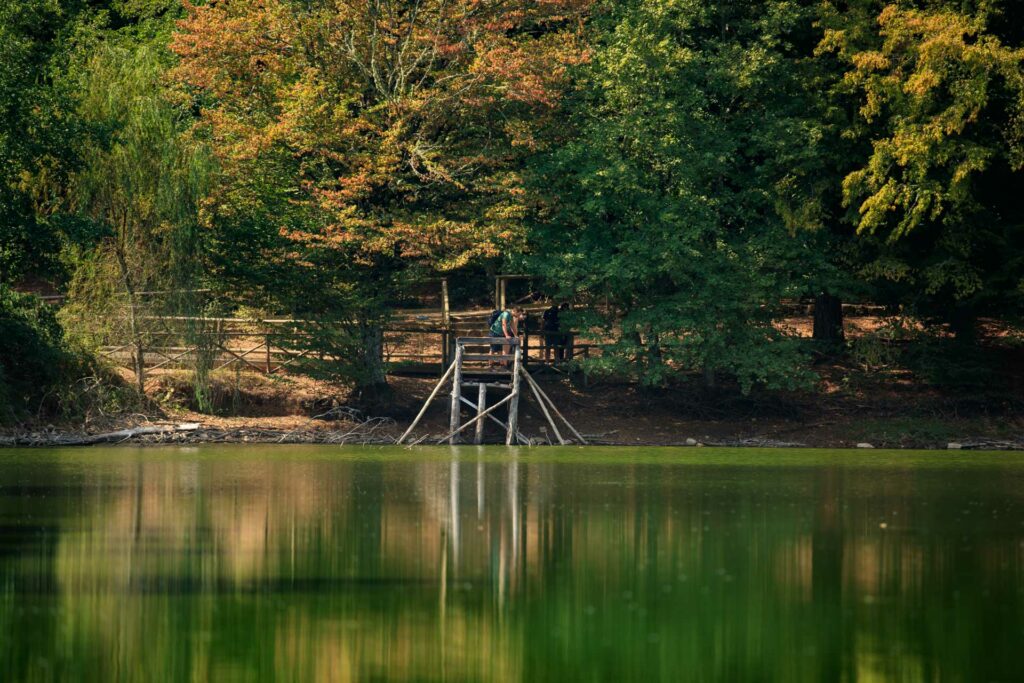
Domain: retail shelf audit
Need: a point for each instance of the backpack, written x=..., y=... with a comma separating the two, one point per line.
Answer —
x=495, y=314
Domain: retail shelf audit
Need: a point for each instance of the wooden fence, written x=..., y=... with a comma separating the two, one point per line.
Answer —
x=418, y=343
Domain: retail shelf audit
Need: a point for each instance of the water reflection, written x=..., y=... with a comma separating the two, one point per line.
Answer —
x=224, y=565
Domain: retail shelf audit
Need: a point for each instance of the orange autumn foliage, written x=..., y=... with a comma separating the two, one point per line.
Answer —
x=405, y=121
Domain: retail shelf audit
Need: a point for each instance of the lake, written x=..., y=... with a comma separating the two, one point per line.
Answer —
x=317, y=563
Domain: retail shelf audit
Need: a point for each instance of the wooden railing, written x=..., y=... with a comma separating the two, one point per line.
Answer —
x=411, y=346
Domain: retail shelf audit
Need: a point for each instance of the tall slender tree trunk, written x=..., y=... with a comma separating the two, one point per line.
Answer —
x=139, y=351
x=828, y=318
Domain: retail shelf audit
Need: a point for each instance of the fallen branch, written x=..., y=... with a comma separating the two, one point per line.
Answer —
x=118, y=436
x=365, y=431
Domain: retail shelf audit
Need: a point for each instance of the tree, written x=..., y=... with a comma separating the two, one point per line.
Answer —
x=666, y=203
x=139, y=185
x=364, y=143
x=36, y=129
x=940, y=97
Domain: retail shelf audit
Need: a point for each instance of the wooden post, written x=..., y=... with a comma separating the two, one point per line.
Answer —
x=268, y=353
x=444, y=349
x=472, y=422
x=544, y=407
x=536, y=387
x=520, y=436
x=513, y=407
x=445, y=310
x=456, y=393
x=481, y=406
x=445, y=324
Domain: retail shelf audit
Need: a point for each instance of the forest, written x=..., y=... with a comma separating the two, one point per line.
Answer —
x=682, y=172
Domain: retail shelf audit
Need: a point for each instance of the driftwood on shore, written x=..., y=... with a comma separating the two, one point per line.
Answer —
x=73, y=439
x=356, y=429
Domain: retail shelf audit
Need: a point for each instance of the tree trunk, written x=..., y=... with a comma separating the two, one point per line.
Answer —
x=828, y=318
x=709, y=376
x=372, y=390
x=963, y=322
x=139, y=351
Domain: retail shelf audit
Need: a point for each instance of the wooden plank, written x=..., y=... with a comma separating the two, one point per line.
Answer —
x=239, y=357
x=483, y=356
x=551, y=403
x=481, y=406
x=456, y=408
x=291, y=359
x=445, y=307
x=169, y=360
x=513, y=410
x=504, y=341
x=547, y=414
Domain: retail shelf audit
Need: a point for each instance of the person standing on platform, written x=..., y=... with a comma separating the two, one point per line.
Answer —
x=554, y=340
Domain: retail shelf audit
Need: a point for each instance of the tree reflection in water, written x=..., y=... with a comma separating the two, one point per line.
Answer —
x=326, y=564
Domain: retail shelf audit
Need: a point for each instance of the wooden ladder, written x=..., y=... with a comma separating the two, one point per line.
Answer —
x=515, y=371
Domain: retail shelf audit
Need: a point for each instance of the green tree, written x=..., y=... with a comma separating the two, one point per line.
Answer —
x=666, y=206
x=139, y=185
x=365, y=144
x=36, y=129
x=939, y=100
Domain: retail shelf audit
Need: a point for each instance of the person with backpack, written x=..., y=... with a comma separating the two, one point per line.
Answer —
x=505, y=325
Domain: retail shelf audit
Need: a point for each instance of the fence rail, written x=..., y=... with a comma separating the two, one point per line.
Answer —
x=411, y=346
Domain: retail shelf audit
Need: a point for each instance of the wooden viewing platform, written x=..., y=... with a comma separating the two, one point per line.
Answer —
x=513, y=374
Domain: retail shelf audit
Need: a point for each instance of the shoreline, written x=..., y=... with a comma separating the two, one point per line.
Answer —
x=195, y=434
x=296, y=410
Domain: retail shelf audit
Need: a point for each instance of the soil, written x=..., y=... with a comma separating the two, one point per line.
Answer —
x=889, y=408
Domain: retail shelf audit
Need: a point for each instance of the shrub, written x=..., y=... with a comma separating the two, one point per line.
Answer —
x=42, y=375
x=35, y=358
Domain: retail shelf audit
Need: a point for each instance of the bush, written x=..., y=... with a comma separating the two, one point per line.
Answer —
x=41, y=374
x=34, y=359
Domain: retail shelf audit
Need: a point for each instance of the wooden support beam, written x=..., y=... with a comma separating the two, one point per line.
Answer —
x=504, y=427
x=481, y=406
x=522, y=438
x=440, y=382
x=547, y=414
x=445, y=308
x=445, y=348
x=453, y=424
x=483, y=356
x=487, y=341
x=551, y=403
x=495, y=385
x=513, y=410
x=472, y=422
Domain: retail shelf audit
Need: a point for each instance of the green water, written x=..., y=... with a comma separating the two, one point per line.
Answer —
x=323, y=564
